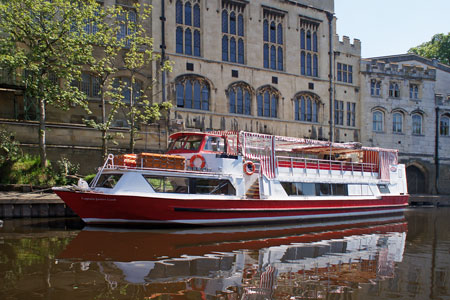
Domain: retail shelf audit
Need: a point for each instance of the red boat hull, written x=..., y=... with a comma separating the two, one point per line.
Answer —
x=96, y=208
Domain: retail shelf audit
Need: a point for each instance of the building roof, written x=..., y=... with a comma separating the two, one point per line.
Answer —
x=411, y=56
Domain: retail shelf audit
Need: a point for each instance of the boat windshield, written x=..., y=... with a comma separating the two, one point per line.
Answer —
x=189, y=142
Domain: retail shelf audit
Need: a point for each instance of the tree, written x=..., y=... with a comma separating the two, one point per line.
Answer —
x=47, y=42
x=125, y=44
x=438, y=48
x=139, y=55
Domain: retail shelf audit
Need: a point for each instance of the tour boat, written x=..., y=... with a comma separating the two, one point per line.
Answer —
x=224, y=177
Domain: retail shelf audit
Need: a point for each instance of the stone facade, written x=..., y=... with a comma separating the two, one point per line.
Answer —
x=224, y=75
x=404, y=102
x=277, y=55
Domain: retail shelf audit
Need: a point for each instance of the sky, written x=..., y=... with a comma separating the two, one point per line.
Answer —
x=389, y=27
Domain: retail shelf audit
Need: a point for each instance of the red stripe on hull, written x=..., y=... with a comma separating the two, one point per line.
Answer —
x=147, y=209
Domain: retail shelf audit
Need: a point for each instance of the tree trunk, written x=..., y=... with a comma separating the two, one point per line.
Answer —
x=132, y=131
x=104, y=137
x=104, y=145
x=132, y=137
x=42, y=143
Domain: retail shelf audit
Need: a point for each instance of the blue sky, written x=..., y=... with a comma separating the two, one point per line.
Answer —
x=388, y=27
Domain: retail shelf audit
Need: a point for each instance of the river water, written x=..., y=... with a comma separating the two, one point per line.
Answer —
x=393, y=257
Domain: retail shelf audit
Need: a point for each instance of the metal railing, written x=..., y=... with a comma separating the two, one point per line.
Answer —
x=322, y=164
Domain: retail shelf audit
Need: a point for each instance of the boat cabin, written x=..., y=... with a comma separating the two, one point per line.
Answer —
x=186, y=142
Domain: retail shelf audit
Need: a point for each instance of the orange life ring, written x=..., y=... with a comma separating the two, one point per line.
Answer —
x=249, y=167
x=194, y=157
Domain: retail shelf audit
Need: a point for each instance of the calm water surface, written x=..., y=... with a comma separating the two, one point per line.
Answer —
x=394, y=257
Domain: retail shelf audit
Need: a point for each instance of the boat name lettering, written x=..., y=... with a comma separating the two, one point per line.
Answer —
x=97, y=199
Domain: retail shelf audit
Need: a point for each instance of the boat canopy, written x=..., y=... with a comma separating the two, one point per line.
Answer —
x=265, y=148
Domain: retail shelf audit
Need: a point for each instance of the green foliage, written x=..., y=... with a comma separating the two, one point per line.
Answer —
x=9, y=147
x=438, y=48
x=89, y=177
x=66, y=172
x=16, y=168
x=132, y=51
x=47, y=42
x=27, y=170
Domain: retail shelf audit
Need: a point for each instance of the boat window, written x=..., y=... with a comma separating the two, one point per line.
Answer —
x=383, y=188
x=108, y=180
x=340, y=189
x=215, y=143
x=359, y=190
x=162, y=184
x=177, y=143
x=314, y=189
x=190, y=142
x=167, y=184
x=323, y=189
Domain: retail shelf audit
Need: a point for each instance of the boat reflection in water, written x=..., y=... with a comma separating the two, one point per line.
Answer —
x=310, y=261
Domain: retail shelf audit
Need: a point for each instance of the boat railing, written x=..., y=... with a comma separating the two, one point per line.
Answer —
x=344, y=167
x=109, y=163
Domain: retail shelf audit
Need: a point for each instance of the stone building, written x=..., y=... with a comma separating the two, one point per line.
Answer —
x=405, y=105
x=273, y=67
x=258, y=66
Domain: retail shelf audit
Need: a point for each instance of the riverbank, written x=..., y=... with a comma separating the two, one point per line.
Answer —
x=15, y=204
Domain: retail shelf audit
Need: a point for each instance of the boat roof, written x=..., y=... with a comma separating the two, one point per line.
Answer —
x=259, y=141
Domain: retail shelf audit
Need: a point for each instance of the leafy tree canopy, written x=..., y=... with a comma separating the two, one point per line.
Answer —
x=438, y=48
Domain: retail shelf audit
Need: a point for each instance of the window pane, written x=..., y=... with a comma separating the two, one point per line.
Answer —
x=197, y=43
x=188, y=14
x=224, y=21
x=303, y=109
x=315, y=42
x=302, y=39
x=309, y=110
x=180, y=95
x=232, y=50
x=315, y=112
x=197, y=16
x=240, y=101
x=266, y=56
x=266, y=104
x=232, y=99
x=197, y=95
x=241, y=25
x=273, y=58
x=280, y=34
x=188, y=94
x=179, y=35
x=308, y=65
x=232, y=23
x=273, y=38
x=315, y=66
x=95, y=87
x=225, y=48
x=179, y=12
x=296, y=109
x=188, y=42
x=205, y=97
x=259, y=100
x=303, y=63
x=85, y=84
x=241, y=51
x=280, y=58
x=274, y=107
x=308, y=40
x=247, y=103
x=266, y=31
